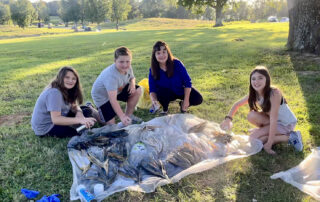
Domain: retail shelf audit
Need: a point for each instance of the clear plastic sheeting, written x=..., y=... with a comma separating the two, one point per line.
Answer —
x=144, y=156
x=305, y=176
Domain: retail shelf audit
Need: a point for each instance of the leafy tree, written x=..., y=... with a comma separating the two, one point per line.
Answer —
x=98, y=10
x=22, y=12
x=236, y=11
x=209, y=13
x=216, y=4
x=82, y=11
x=42, y=11
x=262, y=9
x=135, y=11
x=74, y=11
x=63, y=12
x=304, y=27
x=120, y=10
x=5, y=14
x=153, y=8
x=53, y=7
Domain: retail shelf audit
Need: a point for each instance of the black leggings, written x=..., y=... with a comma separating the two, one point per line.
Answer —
x=68, y=131
x=166, y=95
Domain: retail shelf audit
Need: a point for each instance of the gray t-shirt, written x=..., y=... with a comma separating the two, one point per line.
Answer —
x=110, y=79
x=49, y=100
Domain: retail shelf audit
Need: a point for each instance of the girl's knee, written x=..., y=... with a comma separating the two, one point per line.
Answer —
x=252, y=116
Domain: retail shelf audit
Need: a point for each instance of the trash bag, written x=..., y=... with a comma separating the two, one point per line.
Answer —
x=144, y=156
x=144, y=100
x=305, y=176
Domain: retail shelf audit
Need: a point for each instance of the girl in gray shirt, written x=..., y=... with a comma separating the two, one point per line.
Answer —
x=53, y=111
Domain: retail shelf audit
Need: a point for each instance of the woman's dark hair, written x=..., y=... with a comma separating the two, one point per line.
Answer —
x=266, y=105
x=155, y=67
x=69, y=95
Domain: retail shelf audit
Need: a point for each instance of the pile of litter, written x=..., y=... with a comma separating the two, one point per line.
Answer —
x=144, y=156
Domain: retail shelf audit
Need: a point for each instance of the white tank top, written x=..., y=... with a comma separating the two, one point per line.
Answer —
x=285, y=115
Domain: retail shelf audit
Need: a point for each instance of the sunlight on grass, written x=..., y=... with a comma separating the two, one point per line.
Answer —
x=27, y=39
x=45, y=68
x=219, y=66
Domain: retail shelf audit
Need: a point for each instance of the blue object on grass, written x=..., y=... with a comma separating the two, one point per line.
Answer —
x=30, y=194
x=52, y=198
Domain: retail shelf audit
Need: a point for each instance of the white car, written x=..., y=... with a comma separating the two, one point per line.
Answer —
x=284, y=19
x=272, y=19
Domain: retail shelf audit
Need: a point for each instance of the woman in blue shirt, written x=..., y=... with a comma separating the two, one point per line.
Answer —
x=169, y=80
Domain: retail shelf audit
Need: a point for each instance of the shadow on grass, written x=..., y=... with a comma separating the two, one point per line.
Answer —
x=307, y=68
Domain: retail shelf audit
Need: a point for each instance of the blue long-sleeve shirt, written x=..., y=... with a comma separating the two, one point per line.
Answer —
x=176, y=83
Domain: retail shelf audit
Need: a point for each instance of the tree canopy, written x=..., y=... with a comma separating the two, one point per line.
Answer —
x=216, y=4
x=22, y=12
x=5, y=14
x=120, y=10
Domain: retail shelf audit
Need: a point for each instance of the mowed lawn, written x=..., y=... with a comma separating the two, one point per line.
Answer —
x=219, y=61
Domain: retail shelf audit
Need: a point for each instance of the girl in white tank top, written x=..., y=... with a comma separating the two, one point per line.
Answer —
x=269, y=112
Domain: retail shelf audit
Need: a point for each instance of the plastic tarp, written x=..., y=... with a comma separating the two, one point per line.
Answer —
x=144, y=156
x=305, y=176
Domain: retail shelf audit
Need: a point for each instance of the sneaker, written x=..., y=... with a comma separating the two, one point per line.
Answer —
x=154, y=108
x=135, y=119
x=295, y=140
x=163, y=113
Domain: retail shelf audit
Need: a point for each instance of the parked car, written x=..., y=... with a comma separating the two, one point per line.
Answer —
x=284, y=19
x=272, y=19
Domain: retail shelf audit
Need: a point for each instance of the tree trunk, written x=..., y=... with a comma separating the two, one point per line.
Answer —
x=304, y=26
x=218, y=16
x=117, y=25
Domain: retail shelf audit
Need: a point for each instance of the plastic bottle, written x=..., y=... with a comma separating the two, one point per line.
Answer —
x=81, y=128
x=85, y=195
x=120, y=125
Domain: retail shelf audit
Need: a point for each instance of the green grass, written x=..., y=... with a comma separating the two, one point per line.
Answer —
x=15, y=31
x=219, y=66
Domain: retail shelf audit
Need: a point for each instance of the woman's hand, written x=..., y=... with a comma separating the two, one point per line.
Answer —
x=226, y=124
x=185, y=105
x=88, y=122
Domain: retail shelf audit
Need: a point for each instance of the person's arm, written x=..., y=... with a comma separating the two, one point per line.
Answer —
x=132, y=85
x=227, y=122
x=186, y=82
x=275, y=100
x=132, y=82
x=152, y=89
x=77, y=110
x=117, y=109
x=58, y=119
x=186, y=99
x=54, y=102
x=183, y=73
